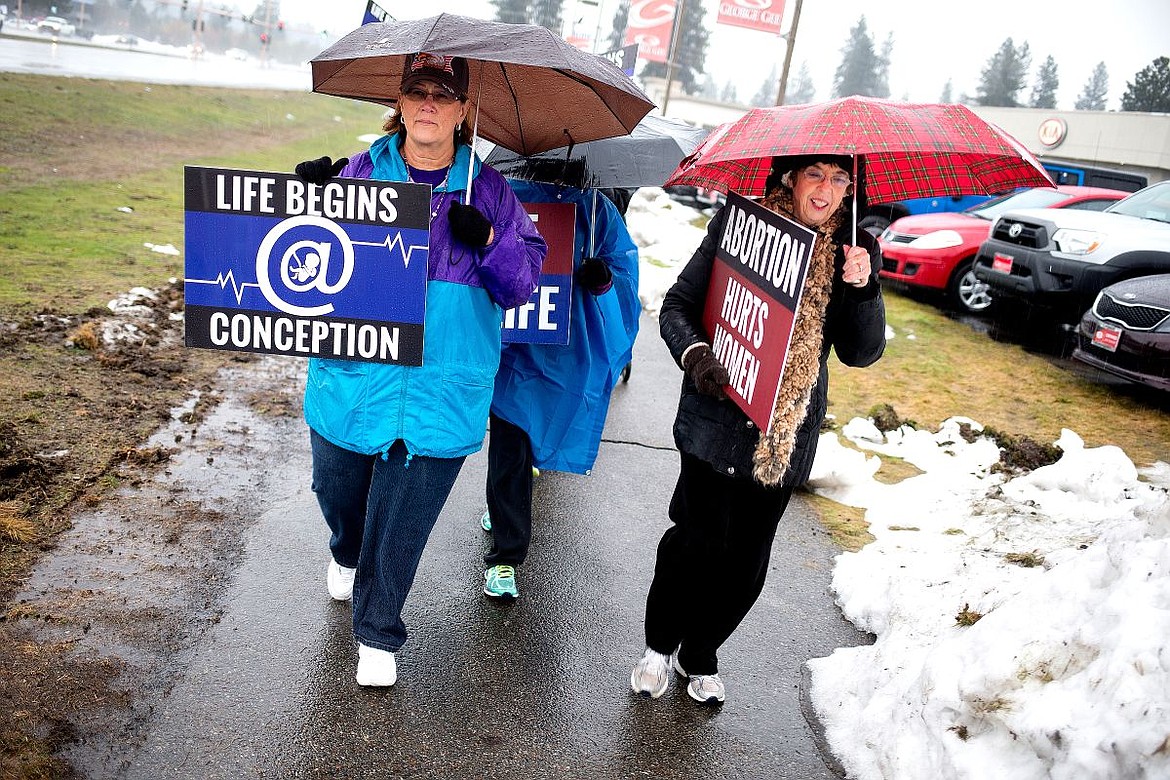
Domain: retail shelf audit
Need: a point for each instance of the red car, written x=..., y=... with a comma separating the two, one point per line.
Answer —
x=936, y=251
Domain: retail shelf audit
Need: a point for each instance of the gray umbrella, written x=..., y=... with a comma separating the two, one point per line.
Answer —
x=644, y=158
x=533, y=90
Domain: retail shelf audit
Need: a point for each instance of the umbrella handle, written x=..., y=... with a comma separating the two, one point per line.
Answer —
x=474, y=135
x=593, y=226
x=855, y=185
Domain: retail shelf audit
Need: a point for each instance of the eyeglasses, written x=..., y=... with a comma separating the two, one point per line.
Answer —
x=419, y=95
x=816, y=176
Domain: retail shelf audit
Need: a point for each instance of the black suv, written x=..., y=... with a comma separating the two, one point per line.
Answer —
x=1061, y=258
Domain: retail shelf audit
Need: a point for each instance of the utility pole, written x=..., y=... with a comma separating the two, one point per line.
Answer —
x=674, y=33
x=197, y=29
x=790, y=39
x=266, y=36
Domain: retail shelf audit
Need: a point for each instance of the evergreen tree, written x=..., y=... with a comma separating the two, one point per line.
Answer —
x=728, y=94
x=709, y=89
x=1150, y=89
x=948, y=89
x=800, y=87
x=1047, y=82
x=860, y=70
x=883, y=69
x=617, y=35
x=511, y=11
x=1004, y=76
x=690, y=49
x=547, y=13
x=1096, y=89
x=766, y=96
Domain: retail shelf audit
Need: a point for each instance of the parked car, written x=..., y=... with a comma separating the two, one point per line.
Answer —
x=1059, y=259
x=936, y=251
x=1127, y=331
x=879, y=216
x=55, y=25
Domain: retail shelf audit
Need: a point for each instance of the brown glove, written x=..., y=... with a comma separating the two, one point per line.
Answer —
x=706, y=371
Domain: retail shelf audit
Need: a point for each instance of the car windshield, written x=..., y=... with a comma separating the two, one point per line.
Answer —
x=1037, y=198
x=1151, y=203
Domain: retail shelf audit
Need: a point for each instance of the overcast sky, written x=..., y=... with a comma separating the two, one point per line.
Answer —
x=933, y=41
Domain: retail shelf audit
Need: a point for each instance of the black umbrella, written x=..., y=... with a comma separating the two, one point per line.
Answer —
x=644, y=158
x=533, y=91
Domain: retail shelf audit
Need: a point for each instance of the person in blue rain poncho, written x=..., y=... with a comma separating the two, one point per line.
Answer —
x=550, y=401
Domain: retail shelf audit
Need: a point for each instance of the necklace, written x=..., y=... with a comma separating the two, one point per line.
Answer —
x=436, y=189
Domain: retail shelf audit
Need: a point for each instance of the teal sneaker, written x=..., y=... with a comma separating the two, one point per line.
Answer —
x=499, y=582
x=485, y=522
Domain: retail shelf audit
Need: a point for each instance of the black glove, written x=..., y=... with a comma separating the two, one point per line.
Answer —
x=706, y=371
x=593, y=274
x=321, y=170
x=468, y=225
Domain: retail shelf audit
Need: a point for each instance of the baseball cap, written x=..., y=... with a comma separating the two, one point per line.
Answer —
x=450, y=73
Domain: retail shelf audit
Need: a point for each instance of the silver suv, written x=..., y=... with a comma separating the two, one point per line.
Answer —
x=1061, y=258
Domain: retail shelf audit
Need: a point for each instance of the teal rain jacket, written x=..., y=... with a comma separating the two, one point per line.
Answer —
x=440, y=408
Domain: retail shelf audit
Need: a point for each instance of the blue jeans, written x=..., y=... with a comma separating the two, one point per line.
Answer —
x=381, y=510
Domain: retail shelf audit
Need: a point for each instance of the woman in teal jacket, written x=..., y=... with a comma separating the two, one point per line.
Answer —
x=388, y=441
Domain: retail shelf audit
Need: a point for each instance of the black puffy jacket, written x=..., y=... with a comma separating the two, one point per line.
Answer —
x=718, y=432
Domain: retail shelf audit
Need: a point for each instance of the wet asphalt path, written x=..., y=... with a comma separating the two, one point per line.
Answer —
x=538, y=689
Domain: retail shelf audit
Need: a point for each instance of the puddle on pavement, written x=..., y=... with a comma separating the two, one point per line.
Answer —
x=139, y=578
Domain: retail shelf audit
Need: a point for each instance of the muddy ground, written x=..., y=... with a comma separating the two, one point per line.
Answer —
x=130, y=466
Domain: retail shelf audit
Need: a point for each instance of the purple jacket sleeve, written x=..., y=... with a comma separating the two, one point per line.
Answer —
x=509, y=267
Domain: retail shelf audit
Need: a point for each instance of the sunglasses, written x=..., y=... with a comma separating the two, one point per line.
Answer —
x=419, y=95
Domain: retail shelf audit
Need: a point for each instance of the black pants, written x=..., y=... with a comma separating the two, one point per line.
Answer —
x=711, y=563
x=509, y=492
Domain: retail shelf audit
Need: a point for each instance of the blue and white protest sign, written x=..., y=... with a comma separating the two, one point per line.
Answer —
x=276, y=265
x=544, y=319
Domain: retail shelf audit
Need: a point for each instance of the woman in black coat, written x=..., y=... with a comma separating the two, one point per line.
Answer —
x=735, y=482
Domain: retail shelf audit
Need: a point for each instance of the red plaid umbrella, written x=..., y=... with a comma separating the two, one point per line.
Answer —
x=911, y=150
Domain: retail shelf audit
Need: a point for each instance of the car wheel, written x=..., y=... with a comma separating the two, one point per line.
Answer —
x=873, y=225
x=968, y=293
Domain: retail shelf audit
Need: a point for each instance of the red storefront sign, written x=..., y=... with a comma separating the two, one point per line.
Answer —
x=763, y=15
x=649, y=25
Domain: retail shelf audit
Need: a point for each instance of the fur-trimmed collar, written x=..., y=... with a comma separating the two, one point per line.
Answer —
x=803, y=363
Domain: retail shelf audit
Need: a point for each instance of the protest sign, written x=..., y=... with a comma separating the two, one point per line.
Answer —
x=756, y=282
x=276, y=265
x=544, y=319
x=625, y=58
x=375, y=13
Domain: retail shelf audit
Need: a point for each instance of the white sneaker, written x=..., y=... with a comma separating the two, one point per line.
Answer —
x=376, y=667
x=703, y=688
x=339, y=580
x=651, y=675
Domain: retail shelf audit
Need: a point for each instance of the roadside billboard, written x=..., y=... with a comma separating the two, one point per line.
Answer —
x=762, y=15
x=649, y=25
